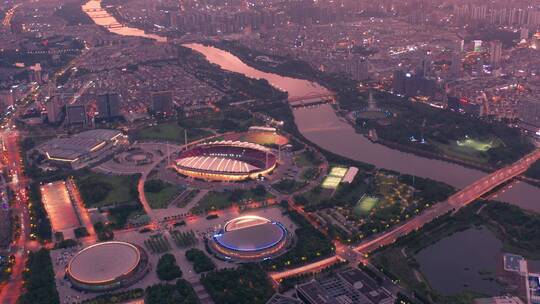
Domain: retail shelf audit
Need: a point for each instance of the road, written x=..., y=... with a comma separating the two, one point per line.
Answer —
x=9, y=16
x=11, y=292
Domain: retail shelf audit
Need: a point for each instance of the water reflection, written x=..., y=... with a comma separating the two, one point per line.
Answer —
x=466, y=260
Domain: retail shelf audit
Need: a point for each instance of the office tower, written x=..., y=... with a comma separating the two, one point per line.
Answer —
x=425, y=67
x=162, y=102
x=495, y=53
x=7, y=98
x=54, y=109
x=477, y=45
x=398, y=82
x=455, y=67
x=524, y=33
x=76, y=114
x=535, y=42
x=359, y=68
x=108, y=106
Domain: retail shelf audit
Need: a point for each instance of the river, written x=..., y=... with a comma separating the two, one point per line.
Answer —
x=323, y=127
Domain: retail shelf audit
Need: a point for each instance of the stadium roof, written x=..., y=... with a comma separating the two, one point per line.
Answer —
x=236, y=143
x=259, y=235
x=216, y=163
x=71, y=148
x=104, y=262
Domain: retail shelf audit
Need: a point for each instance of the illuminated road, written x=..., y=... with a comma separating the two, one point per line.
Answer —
x=10, y=292
x=460, y=199
x=313, y=267
x=9, y=16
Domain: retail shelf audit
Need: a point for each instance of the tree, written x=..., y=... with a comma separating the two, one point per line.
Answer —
x=154, y=186
x=167, y=269
x=201, y=262
x=39, y=281
x=180, y=293
x=247, y=284
x=259, y=191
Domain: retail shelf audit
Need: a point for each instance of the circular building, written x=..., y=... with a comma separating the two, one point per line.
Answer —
x=107, y=266
x=226, y=161
x=250, y=238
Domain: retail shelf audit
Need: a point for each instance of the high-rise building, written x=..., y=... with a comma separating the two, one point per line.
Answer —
x=76, y=114
x=426, y=66
x=524, y=33
x=455, y=67
x=398, y=82
x=535, y=42
x=162, y=102
x=495, y=53
x=359, y=68
x=54, y=109
x=7, y=98
x=108, y=106
x=477, y=45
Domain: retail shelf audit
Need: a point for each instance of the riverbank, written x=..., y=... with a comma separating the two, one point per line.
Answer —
x=349, y=99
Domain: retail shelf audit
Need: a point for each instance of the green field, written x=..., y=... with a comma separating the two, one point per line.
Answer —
x=477, y=145
x=470, y=149
x=170, y=131
x=161, y=199
x=307, y=159
x=365, y=205
x=221, y=200
x=99, y=190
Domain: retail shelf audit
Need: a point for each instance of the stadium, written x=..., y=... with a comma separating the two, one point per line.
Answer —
x=79, y=150
x=226, y=161
x=250, y=238
x=107, y=266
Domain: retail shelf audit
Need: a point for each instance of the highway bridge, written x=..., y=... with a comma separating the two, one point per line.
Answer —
x=460, y=199
x=311, y=99
x=493, y=180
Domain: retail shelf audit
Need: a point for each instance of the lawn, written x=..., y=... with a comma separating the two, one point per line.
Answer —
x=477, y=145
x=288, y=186
x=170, y=131
x=310, y=173
x=221, y=200
x=307, y=158
x=99, y=190
x=470, y=149
x=162, y=198
x=365, y=205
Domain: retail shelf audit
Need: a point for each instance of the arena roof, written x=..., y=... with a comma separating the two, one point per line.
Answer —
x=250, y=233
x=71, y=148
x=226, y=157
x=241, y=144
x=103, y=263
x=216, y=163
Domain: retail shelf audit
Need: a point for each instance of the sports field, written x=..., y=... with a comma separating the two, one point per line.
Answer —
x=365, y=205
x=470, y=149
x=265, y=138
x=334, y=178
x=477, y=145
